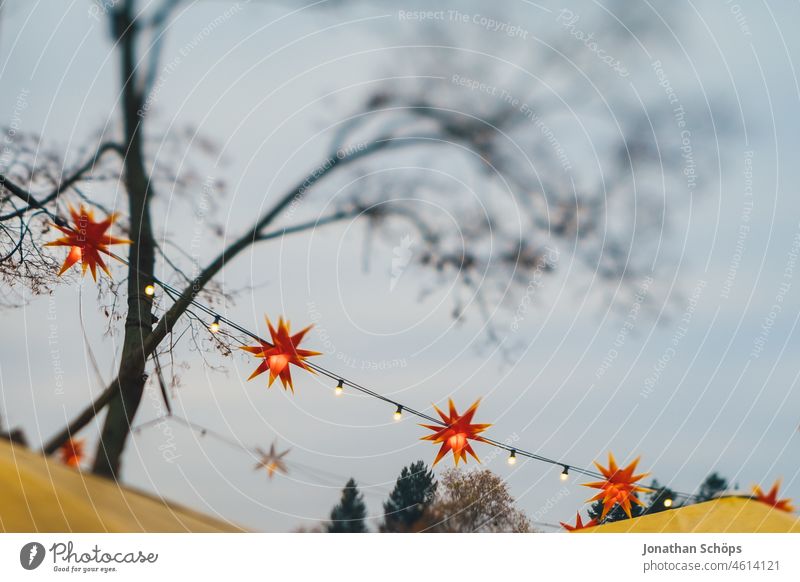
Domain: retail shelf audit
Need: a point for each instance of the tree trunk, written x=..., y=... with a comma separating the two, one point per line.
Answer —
x=139, y=322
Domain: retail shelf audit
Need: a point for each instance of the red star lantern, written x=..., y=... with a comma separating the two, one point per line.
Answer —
x=280, y=353
x=71, y=452
x=86, y=239
x=771, y=498
x=454, y=437
x=578, y=523
x=619, y=486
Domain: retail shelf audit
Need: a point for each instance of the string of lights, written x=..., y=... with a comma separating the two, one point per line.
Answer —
x=514, y=452
x=218, y=319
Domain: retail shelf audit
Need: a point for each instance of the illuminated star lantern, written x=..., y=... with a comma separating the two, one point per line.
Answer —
x=272, y=461
x=71, y=452
x=771, y=498
x=578, y=523
x=619, y=486
x=456, y=434
x=280, y=353
x=87, y=239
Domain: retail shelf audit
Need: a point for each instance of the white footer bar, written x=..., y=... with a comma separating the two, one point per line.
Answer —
x=386, y=557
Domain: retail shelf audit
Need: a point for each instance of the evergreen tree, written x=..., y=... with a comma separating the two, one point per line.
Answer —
x=412, y=495
x=713, y=485
x=348, y=516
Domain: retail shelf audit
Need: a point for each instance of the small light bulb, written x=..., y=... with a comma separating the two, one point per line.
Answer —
x=149, y=290
x=398, y=414
x=668, y=502
x=512, y=458
x=339, y=388
x=565, y=473
x=214, y=327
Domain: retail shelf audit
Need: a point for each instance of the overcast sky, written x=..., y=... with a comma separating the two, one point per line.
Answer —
x=705, y=380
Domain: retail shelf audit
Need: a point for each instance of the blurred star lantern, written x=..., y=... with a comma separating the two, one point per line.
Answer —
x=87, y=239
x=272, y=461
x=619, y=486
x=455, y=435
x=71, y=452
x=578, y=523
x=771, y=498
x=280, y=353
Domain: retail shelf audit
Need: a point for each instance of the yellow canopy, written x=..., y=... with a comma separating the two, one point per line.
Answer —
x=43, y=495
x=724, y=515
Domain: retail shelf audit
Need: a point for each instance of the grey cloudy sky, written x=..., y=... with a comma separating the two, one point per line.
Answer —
x=717, y=391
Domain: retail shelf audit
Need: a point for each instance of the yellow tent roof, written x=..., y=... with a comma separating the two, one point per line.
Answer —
x=42, y=495
x=724, y=515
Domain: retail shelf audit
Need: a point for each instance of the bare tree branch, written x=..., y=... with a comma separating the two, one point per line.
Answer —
x=65, y=184
x=182, y=303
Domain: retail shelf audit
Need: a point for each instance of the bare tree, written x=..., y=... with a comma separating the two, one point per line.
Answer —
x=476, y=501
x=531, y=199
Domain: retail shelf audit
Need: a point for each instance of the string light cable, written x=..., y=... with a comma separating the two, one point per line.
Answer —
x=218, y=319
x=514, y=451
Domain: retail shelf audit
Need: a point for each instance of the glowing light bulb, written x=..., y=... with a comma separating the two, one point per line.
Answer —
x=149, y=290
x=668, y=502
x=457, y=441
x=565, y=473
x=214, y=327
x=398, y=414
x=512, y=458
x=339, y=390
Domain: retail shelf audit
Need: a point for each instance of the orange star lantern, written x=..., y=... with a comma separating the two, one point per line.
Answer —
x=71, y=452
x=454, y=437
x=87, y=239
x=280, y=353
x=771, y=498
x=619, y=486
x=578, y=523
